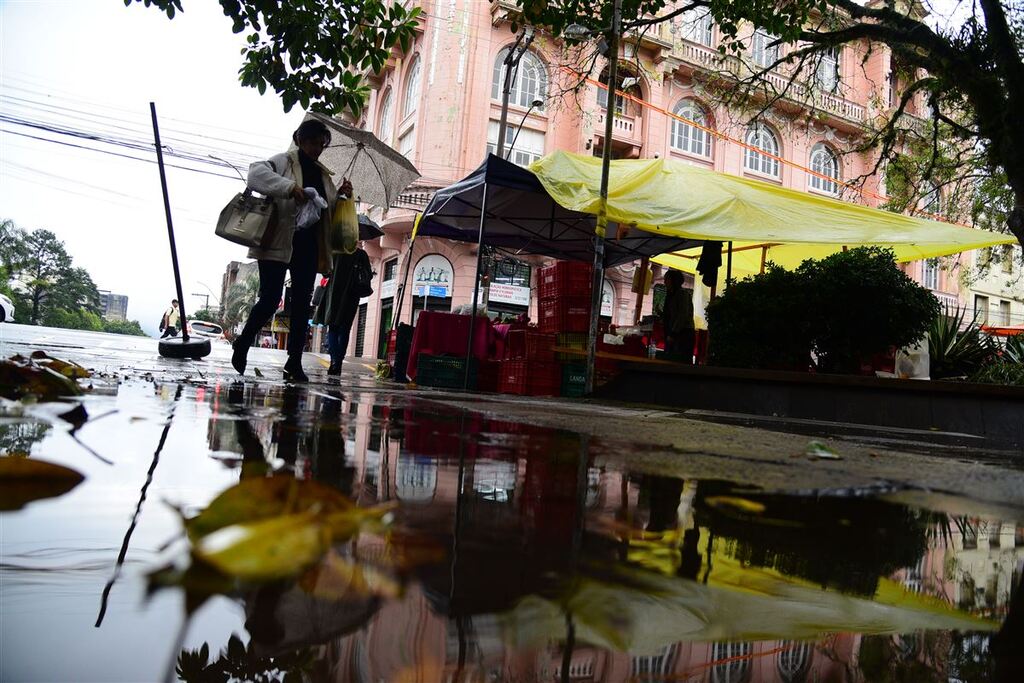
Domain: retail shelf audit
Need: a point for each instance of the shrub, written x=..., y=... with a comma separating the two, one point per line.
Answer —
x=956, y=349
x=846, y=307
x=861, y=304
x=759, y=323
x=1000, y=372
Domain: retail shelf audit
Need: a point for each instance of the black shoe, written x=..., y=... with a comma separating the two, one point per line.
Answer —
x=239, y=356
x=293, y=371
x=334, y=369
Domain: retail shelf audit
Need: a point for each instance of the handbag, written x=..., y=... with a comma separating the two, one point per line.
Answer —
x=248, y=220
x=362, y=275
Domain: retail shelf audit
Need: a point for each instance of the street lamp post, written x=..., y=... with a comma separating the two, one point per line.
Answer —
x=602, y=216
x=533, y=105
x=511, y=62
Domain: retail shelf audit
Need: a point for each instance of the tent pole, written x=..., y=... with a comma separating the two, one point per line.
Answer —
x=397, y=316
x=764, y=257
x=602, y=218
x=640, y=295
x=476, y=287
x=728, y=267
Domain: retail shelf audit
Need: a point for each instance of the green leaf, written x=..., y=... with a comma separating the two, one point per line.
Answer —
x=23, y=480
x=268, y=549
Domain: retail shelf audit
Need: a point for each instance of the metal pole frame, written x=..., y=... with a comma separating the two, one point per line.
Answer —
x=170, y=226
x=511, y=60
x=476, y=287
x=728, y=267
x=602, y=218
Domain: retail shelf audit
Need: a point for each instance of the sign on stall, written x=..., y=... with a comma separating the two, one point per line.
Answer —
x=510, y=294
x=433, y=276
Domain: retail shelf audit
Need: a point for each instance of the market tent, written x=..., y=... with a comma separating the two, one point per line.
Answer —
x=671, y=198
x=522, y=217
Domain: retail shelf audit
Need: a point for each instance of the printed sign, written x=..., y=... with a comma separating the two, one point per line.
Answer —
x=387, y=289
x=433, y=276
x=510, y=294
x=607, y=299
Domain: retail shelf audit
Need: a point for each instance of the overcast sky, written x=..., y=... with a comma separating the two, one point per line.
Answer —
x=94, y=65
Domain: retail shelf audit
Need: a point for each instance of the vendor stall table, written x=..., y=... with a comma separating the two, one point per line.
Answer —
x=445, y=334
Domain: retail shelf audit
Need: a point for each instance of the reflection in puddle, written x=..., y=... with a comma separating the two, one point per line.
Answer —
x=516, y=553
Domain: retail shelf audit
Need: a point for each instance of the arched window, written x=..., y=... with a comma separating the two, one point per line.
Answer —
x=412, y=88
x=415, y=478
x=825, y=163
x=687, y=137
x=530, y=80
x=734, y=662
x=761, y=137
x=793, y=660
x=826, y=74
x=386, y=118
x=622, y=105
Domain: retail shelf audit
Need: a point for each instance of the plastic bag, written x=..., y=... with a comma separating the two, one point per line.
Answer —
x=309, y=213
x=344, y=227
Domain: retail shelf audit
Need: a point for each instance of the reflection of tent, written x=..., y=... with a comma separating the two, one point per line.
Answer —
x=521, y=216
x=674, y=199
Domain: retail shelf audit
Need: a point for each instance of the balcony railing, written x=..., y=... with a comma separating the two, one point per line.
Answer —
x=625, y=127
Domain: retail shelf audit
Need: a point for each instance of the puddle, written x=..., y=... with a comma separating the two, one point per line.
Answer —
x=514, y=553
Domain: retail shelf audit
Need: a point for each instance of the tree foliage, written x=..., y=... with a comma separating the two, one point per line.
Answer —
x=968, y=69
x=314, y=53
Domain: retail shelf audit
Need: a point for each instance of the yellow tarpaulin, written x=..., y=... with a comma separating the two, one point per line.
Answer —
x=672, y=198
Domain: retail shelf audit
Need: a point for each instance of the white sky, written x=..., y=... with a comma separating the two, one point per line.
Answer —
x=95, y=65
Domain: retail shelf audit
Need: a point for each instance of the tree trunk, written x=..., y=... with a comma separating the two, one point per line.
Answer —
x=1015, y=221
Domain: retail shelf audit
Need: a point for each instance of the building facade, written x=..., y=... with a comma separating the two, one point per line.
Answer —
x=994, y=291
x=113, y=306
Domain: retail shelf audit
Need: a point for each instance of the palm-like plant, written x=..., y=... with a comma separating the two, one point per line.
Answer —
x=1013, y=352
x=957, y=349
x=239, y=301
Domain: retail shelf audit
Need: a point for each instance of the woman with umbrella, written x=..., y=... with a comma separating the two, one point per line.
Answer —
x=303, y=252
x=349, y=283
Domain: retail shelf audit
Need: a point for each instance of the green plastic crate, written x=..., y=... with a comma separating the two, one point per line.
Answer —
x=447, y=372
x=574, y=379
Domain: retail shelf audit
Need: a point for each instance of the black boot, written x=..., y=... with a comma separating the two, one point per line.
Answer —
x=239, y=356
x=293, y=371
x=334, y=369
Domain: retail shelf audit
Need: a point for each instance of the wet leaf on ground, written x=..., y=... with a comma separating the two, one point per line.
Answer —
x=750, y=507
x=817, y=449
x=268, y=549
x=64, y=367
x=22, y=377
x=336, y=578
x=23, y=480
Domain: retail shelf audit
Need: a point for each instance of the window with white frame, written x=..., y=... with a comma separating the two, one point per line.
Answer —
x=411, y=98
x=930, y=273
x=386, y=118
x=761, y=137
x=825, y=166
x=826, y=74
x=407, y=143
x=1004, y=312
x=762, y=51
x=687, y=137
x=530, y=80
x=981, y=309
x=529, y=146
x=623, y=106
x=931, y=199
x=733, y=662
x=698, y=26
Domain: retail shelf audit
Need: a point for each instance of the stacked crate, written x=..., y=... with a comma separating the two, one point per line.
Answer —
x=564, y=297
x=530, y=368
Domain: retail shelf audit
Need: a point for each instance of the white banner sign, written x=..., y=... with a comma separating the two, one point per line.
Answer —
x=387, y=289
x=510, y=294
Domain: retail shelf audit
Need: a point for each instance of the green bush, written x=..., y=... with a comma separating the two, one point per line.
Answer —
x=759, y=323
x=845, y=308
x=1000, y=372
x=956, y=349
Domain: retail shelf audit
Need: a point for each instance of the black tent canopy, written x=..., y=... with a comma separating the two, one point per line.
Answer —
x=505, y=206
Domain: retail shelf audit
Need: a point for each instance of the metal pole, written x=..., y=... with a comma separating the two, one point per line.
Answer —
x=511, y=60
x=642, y=281
x=728, y=267
x=602, y=218
x=170, y=226
x=476, y=287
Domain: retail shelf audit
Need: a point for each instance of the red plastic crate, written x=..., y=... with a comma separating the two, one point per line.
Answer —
x=530, y=345
x=488, y=374
x=565, y=278
x=565, y=314
x=530, y=378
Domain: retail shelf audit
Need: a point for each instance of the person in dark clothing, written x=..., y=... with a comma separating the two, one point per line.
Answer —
x=677, y=316
x=340, y=305
x=290, y=249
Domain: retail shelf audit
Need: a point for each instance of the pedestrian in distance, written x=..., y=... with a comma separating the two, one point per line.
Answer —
x=677, y=316
x=302, y=251
x=169, y=322
x=350, y=275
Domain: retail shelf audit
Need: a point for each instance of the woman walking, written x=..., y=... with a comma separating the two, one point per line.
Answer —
x=301, y=251
x=340, y=304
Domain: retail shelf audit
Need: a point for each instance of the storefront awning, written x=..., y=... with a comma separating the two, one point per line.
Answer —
x=523, y=218
x=668, y=197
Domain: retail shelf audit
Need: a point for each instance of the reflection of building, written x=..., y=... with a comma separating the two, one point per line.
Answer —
x=113, y=306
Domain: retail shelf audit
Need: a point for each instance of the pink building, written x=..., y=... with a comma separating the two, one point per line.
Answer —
x=439, y=104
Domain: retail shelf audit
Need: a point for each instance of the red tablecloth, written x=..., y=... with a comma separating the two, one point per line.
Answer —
x=445, y=334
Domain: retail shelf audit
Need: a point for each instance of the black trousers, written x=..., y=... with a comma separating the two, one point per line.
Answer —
x=339, y=333
x=303, y=270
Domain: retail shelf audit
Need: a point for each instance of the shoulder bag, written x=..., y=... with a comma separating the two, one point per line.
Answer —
x=248, y=220
x=362, y=275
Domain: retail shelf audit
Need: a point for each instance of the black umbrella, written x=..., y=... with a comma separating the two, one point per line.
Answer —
x=368, y=228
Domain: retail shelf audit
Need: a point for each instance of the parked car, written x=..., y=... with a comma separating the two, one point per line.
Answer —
x=6, y=309
x=208, y=330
